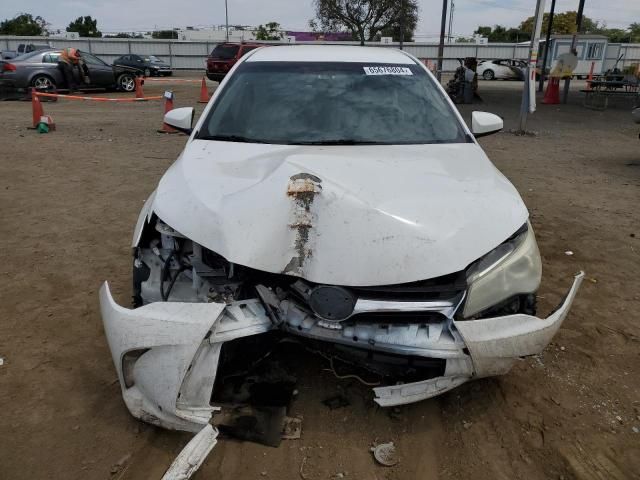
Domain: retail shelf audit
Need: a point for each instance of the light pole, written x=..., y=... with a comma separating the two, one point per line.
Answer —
x=546, y=46
x=226, y=19
x=453, y=6
x=443, y=27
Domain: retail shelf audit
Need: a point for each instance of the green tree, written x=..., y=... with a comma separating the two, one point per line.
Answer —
x=24, y=24
x=85, y=26
x=634, y=30
x=270, y=31
x=165, y=34
x=563, y=24
x=367, y=19
x=395, y=31
x=502, y=34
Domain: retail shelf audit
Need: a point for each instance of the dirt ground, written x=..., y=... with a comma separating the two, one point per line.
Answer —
x=69, y=201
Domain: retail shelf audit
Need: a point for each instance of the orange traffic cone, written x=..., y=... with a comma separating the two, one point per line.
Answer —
x=36, y=108
x=139, y=82
x=552, y=93
x=168, y=106
x=204, y=93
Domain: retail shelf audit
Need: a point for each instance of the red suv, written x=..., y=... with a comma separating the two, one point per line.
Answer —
x=224, y=56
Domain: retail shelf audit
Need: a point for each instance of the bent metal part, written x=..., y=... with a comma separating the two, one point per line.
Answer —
x=176, y=345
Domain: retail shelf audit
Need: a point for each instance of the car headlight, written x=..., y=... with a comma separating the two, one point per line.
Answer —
x=510, y=269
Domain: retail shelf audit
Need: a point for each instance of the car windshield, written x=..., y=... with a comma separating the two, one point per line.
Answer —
x=225, y=52
x=308, y=103
x=152, y=59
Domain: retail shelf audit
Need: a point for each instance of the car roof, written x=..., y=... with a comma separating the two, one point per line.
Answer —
x=330, y=53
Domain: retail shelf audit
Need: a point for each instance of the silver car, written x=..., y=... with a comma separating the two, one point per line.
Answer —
x=40, y=70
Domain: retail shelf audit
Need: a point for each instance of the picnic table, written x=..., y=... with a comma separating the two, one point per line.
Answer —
x=602, y=89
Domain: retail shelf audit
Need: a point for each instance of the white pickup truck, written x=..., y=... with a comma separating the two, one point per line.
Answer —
x=22, y=49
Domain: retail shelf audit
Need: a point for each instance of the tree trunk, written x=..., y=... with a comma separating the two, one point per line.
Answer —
x=361, y=35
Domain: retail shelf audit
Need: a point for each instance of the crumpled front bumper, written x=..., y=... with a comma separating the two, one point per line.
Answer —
x=173, y=380
x=170, y=384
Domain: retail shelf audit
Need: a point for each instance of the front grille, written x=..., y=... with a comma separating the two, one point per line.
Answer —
x=446, y=286
x=397, y=318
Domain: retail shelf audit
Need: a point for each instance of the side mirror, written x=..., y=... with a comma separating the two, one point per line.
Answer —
x=484, y=123
x=181, y=119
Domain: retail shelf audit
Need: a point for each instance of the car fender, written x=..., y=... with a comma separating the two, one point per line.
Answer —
x=143, y=219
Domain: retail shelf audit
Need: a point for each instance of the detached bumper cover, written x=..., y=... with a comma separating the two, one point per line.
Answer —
x=171, y=383
x=496, y=342
x=494, y=345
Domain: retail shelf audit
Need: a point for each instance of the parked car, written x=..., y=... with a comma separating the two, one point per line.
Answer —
x=147, y=65
x=331, y=194
x=22, y=49
x=224, y=56
x=505, y=69
x=39, y=69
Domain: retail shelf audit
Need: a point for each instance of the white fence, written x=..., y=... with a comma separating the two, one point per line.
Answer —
x=192, y=55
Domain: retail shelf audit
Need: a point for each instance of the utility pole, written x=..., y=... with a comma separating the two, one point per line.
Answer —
x=546, y=46
x=453, y=6
x=226, y=19
x=529, y=92
x=567, y=81
x=443, y=26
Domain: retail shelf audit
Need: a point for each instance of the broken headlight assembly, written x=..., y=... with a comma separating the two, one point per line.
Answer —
x=511, y=269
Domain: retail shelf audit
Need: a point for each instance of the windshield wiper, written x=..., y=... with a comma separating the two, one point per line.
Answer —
x=341, y=141
x=231, y=138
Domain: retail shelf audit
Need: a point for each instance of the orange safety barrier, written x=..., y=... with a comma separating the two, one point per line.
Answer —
x=171, y=80
x=96, y=99
x=37, y=112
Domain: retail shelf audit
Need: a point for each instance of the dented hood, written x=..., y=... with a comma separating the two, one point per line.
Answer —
x=345, y=215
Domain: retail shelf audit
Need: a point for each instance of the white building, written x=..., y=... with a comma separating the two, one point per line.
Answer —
x=218, y=34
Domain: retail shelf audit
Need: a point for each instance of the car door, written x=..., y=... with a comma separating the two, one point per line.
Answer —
x=123, y=60
x=100, y=73
x=503, y=69
x=137, y=62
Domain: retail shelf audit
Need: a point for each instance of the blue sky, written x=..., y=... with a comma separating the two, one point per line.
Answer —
x=122, y=15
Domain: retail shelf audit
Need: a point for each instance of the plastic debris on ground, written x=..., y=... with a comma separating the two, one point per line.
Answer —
x=385, y=454
x=192, y=455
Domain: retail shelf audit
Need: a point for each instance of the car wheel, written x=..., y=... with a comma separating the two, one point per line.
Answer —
x=147, y=72
x=43, y=82
x=488, y=75
x=127, y=82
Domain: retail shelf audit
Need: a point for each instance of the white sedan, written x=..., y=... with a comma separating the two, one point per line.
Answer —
x=332, y=195
x=502, y=69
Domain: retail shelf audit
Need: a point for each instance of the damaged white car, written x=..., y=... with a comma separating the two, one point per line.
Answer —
x=332, y=195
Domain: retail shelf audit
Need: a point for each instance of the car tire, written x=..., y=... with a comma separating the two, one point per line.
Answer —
x=488, y=75
x=43, y=82
x=147, y=72
x=126, y=82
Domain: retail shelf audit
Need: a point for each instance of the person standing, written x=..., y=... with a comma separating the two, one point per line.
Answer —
x=69, y=60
